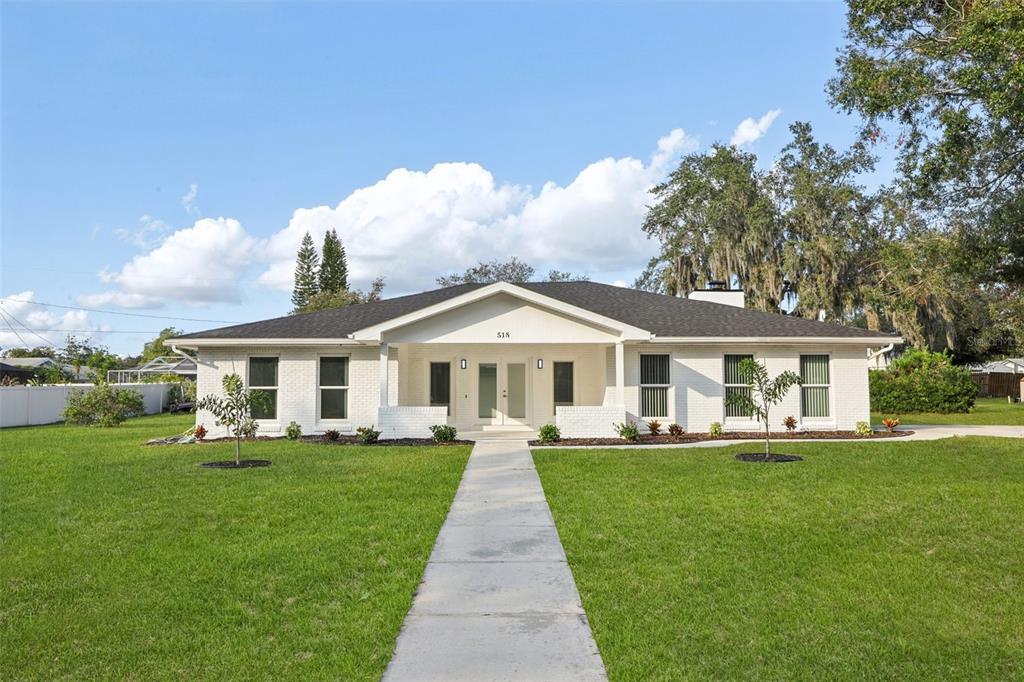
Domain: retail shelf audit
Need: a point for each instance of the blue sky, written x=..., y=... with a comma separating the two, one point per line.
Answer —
x=164, y=159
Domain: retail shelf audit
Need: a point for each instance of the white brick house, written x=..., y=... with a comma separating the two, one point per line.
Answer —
x=506, y=356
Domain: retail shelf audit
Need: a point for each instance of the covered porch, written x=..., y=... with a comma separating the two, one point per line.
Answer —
x=502, y=388
x=501, y=358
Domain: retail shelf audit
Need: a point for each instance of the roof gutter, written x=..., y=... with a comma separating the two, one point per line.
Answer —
x=786, y=340
x=193, y=344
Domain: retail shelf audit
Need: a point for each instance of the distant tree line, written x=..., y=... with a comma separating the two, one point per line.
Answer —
x=511, y=270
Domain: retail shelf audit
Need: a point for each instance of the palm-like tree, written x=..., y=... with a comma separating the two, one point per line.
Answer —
x=764, y=393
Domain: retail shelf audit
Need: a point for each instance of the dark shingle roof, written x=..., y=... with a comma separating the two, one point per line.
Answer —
x=335, y=323
x=661, y=315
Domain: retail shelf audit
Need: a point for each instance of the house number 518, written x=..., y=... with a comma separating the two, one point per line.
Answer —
x=504, y=335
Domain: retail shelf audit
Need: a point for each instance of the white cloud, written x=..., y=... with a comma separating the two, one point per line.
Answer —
x=399, y=225
x=40, y=320
x=413, y=226
x=117, y=298
x=750, y=130
x=199, y=264
x=188, y=201
x=147, y=235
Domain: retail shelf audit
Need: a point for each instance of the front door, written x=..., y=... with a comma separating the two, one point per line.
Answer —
x=487, y=393
x=501, y=393
x=514, y=394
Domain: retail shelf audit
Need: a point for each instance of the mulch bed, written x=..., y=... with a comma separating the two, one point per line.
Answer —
x=318, y=440
x=352, y=440
x=759, y=457
x=665, y=439
x=231, y=464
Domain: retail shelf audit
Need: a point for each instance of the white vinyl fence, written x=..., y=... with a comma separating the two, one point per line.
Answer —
x=28, y=405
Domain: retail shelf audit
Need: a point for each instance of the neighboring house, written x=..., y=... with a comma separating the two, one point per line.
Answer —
x=999, y=378
x=1007, y=366
x=180, y=365
x=84, y=375
x=16, y=374
x=488, y=357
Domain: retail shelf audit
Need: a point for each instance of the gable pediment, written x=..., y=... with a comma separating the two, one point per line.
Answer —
x=502, y=318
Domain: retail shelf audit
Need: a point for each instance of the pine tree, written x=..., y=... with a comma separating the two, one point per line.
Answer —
x=343, y=266
x=333, y=270
x=306, y=261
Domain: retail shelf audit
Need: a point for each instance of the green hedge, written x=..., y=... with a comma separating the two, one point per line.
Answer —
x=922, y=381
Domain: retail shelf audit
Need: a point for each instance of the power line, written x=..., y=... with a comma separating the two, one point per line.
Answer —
x=81, y=273
x=24, y=326
x=115, y=312
x=3, y=315
x=97, y=331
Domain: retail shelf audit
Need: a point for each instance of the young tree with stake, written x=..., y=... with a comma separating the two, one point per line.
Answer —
x=764, y=394
x=234, y=410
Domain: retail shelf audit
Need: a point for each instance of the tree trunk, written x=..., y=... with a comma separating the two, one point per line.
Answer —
x=767, y=439
x=238, y=451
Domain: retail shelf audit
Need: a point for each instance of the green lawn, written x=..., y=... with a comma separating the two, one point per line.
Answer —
x=129, y=562
x=865, y=561
x=986, y=411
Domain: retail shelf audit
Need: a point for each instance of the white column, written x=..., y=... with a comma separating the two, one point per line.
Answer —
x=384, y=374
x=620, y=375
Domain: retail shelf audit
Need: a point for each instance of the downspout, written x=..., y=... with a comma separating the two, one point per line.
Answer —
x=174, y=348
x=880, y=351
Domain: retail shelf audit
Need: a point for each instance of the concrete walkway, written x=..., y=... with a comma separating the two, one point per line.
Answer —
x=497, y=601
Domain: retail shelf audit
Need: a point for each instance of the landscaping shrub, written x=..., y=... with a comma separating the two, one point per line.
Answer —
x=443, y=433
x=549, y=433
x=675, y=430
x=790, y=423
x=247, y=428
x=862, y=429
x=367, y=435
x=199, y=432
x=293, y=431
x=715, y=430
x=628, y=431
x=654, y=426
x=103, y=405
x=922, y=381
x=891, y=423
x=332, y=435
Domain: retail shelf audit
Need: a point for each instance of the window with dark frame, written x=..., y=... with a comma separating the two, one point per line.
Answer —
x=441, y=385
x=735, y=384
x=263, y=377
x=333, y=386
x=563, y=379
x=655, y=378
x=814, y=389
